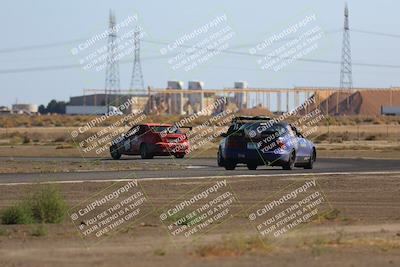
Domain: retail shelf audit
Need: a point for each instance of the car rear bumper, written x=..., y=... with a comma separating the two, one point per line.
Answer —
x=258, y=157
x=169, y=148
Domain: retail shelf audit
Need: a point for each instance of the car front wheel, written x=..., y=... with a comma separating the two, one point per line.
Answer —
x=290, y=164
x=220, y=159
x=115, y=154
x=144, y=152
x=310, y=163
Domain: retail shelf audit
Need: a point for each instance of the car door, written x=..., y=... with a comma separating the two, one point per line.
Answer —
x=302, y=148
x=130, y=139
x=138, y=139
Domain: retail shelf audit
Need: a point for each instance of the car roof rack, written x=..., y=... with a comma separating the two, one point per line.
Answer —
x=251, y=118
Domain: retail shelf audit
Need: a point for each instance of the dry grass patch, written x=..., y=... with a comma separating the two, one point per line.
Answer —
x=232, y=246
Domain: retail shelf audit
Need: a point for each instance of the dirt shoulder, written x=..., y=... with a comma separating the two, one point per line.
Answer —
x=364, y=230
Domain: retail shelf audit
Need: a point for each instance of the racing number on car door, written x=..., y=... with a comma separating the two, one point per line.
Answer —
x=135, y=142
x=130, y=139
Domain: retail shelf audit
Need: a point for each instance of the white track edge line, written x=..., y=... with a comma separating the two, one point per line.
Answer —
x=200, y=177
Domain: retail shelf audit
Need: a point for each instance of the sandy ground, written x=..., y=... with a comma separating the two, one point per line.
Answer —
x=362, y=230
x=15, y=165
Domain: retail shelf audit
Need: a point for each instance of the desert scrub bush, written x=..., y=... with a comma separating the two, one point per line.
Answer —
x=346, y=136
x=321, y=137
x=19, y=213
x=39, y=230
x=44, y=206
x=48, y=206
x=26, y=139
x=60, y=139
x=371, y=137
x=3, y=232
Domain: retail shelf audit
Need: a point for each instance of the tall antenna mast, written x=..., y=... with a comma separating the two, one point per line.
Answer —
x=112, y=66
x=137, y=83
x=346, y=79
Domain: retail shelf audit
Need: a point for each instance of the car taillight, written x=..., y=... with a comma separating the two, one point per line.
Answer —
x=233, y=143
x=160, y=138
x=280, y=143
x=183, y=138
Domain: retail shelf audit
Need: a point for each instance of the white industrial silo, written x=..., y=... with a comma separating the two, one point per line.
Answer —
x=240, y=97
x=175, y=100
x=196, y=99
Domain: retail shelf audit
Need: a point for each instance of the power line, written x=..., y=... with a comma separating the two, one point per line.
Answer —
x=39, y=46
x=71, y=66
x=60, y=67
x=73, y=41
x=322, y=61
x=376, y=33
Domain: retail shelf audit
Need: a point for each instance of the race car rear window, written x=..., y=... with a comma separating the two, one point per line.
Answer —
x=260, y=128
x=167, y=129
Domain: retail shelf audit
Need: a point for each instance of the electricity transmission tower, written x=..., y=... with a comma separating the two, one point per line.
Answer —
x=112, y=66
x=137, y=83
x=346, y=79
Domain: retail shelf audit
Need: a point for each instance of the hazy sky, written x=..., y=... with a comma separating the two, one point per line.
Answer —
x=29, y=23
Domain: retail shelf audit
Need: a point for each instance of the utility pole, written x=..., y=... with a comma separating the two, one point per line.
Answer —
x=137, y=82
x=112, y=83
x=346, y=77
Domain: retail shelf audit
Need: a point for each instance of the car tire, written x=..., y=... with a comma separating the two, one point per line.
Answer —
x=179, y=156
x=144, y=152
x=252, y=166
x=290, y=164
x=310, y=163
x=115, y=154
x=229, y=165
x=220, y=159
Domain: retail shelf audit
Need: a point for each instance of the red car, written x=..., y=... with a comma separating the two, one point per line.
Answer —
x=149, y=140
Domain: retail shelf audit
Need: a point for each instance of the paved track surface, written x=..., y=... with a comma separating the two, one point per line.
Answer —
x=201, y=167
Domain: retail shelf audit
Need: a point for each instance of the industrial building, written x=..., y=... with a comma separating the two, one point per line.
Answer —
x=24, y=109
x=139, y=102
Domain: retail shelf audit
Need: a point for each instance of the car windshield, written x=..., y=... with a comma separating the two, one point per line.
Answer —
x=167, y=129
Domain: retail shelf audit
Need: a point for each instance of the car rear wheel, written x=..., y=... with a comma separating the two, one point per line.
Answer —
x=290, y=164
x=220, y=159
x=144, y=152
x=230, y=165
x=115, y=154
x=252, y=166
x=179, y=156
x=310, y=163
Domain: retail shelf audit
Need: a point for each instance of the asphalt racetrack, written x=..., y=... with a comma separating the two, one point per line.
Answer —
x=197, y=169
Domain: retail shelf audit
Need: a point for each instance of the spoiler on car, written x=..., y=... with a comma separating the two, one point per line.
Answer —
x=180, y=127
x=251, y=118
x=189, y=127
